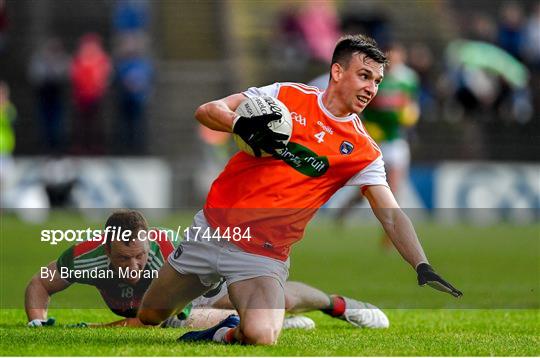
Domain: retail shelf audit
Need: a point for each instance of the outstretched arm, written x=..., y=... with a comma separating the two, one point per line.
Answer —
x=126, y=322
x=401, y=231
x=396, y=224
x=39, y=291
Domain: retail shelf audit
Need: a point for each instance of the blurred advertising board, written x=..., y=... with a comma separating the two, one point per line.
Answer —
x=511, y=191
x=88, y=183
x=507, y=190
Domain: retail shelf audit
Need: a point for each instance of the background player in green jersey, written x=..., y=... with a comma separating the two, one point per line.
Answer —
x=392, y=111
x=123, y=295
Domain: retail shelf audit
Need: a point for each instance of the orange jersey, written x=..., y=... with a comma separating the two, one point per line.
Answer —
x=276, y=197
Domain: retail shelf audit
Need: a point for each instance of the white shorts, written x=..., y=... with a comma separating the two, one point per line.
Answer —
x=212, y=260
x=396, y=153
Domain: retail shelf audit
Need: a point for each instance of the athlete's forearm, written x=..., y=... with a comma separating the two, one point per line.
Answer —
x=36, y=300
x=216, y=115
x=126, y=322
x=396, y=224
x=39, y=291
x=401, y=231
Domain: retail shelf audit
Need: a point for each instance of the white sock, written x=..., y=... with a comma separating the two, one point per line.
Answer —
x=219, y=336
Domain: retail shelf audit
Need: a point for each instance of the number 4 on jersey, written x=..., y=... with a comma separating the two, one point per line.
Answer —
x=320, y=136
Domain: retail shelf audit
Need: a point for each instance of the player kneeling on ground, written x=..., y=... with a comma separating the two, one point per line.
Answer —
x=276, y=196
x=123, y=295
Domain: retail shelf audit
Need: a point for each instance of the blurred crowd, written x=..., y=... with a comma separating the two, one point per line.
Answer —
x=71, y=89
x=470, y=89
x=484, y=80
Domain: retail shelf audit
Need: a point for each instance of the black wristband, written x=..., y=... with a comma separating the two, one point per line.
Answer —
x=424, y=267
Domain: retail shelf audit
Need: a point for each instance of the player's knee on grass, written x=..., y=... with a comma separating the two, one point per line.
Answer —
x=258, y=334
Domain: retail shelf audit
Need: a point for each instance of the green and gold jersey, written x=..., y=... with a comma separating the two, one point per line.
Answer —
x=394, y=106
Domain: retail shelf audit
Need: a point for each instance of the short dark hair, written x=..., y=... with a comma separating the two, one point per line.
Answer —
x=123, y=220
x=352, y=44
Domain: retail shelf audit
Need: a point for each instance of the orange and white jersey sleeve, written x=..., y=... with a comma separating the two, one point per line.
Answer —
x=373, y=174
x=270, y=90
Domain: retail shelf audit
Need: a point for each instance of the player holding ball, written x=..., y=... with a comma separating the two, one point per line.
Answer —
x=276, y=196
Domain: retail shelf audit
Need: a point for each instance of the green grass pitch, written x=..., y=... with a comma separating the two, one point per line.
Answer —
x=496, y=266
x=413, y=332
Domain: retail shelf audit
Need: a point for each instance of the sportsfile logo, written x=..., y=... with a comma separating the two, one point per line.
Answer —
x=304, y=160
x=114, y=233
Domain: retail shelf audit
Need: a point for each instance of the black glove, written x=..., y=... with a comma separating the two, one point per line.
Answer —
x=426, y=275
x=255, y=132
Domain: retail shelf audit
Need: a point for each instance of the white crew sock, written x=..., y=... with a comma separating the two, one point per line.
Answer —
x=219, y=336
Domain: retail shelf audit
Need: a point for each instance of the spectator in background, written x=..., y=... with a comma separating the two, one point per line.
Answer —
x=90, y=72
x=131, y=15
x=362, y=17
x=482, y=27
x=531, y=45
x=289, y=48
x=531, y=54
x=319, y=24
x=134, y=73
x=307, y=32
x=420, y=59
x=7, y=139
x=487, y=88
x=485, y=79
x=511, y=29
x=3, y=24
x=48, y=72
x=359, y=18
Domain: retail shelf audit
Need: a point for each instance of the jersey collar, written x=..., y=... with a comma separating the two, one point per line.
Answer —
x=330, y=115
